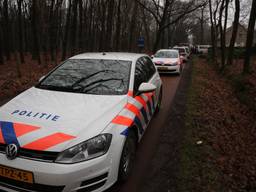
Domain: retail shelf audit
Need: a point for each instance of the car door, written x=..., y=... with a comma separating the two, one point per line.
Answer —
x=153, y=76
x=145, y=71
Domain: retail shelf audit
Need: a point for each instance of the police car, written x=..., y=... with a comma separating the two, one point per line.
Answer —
x=168, y=61
x=78, y=128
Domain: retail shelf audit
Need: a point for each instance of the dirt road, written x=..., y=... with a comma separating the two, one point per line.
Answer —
x=150, y=140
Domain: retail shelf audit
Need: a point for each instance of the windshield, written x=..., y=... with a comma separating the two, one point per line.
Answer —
x=92, y=76
x=166, y=54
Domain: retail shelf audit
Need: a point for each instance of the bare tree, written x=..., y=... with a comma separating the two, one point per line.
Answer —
x=132, y=24
x=6, y=29
x=19, y=3
x=162, y=11
x=250, y=34
x=74, y=28
x=234, y=33
x=35, y=20
x=222, y=30
x=66, y=32
x=108, y=44
x=1, y=37
x=118, y=26
x=213, y=32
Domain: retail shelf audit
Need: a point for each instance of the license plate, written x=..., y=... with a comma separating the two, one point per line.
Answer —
x=162, y=68
x=16, y=174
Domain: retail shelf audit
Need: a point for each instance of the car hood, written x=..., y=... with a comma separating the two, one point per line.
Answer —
x=165, y=60
x=51, y=120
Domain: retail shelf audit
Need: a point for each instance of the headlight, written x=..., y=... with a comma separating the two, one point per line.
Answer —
x=89, y=149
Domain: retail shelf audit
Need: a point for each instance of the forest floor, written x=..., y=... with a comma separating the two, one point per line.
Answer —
x=219, y=149
x=244, y=86
x=31, y=71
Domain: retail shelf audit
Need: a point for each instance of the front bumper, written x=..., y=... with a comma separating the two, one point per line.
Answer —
x=93, y=175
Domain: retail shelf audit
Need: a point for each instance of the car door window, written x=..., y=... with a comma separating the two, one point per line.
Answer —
x=150, y=67
x=141, y=74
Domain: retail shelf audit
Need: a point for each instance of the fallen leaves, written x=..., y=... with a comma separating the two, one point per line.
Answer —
x=232, y=132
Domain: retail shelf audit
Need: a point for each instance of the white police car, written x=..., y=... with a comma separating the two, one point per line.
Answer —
x=78, y=128
x=168, y=61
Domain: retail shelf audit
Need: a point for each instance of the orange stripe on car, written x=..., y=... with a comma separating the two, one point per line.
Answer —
x=121, y=120
x=22, y=129
x=1, y=137
x=48, y=141
x=133, y=109
x=142, y=102
x=149, y=96
x=130, y=93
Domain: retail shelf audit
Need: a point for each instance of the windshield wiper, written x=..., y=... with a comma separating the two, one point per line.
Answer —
x=54, y=88
x=89, y=76
x=84, y=89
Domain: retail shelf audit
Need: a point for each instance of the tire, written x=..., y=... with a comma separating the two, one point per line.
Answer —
x=159, y=102
x=127, y=157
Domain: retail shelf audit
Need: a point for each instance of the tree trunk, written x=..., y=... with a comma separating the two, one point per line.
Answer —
x=132, y=26
x=234, y=33
x=222, y=36
x=81, y=19
x=1, y=48
x=6, y=30
x=19, y=2
x=74, y=28
x=202, y=26
x=118, y=26
x=249, y=41
x=146, y=28
x=1, y=39
x=66, y=33
x=35, y=31
x=108, y=44
x=51, y=30
x=160, y=26
x=102, y=7
x=157, y=40
x=213, y=33
x=58, y=32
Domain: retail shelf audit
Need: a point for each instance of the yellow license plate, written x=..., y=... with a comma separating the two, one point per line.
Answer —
x=162, y=68
x=16, y=174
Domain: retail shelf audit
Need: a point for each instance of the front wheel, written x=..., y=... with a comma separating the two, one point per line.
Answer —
x=159, y=103
x=127, y=157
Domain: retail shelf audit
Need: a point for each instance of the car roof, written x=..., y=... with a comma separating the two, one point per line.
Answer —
x=174, y=50
x=109, y=56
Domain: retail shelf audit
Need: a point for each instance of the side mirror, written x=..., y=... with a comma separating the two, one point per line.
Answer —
x=152, y=56
x=41, y=78
x=146, y=88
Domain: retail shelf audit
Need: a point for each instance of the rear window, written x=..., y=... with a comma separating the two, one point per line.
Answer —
x=91, y=76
